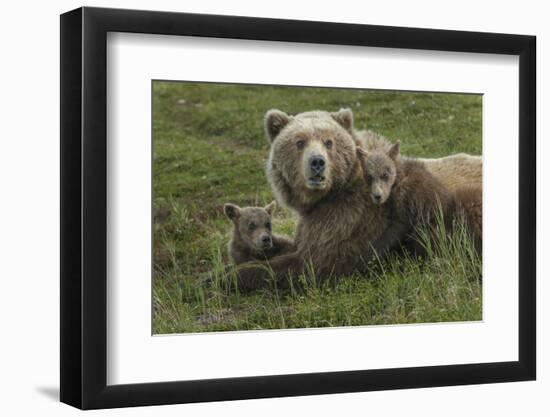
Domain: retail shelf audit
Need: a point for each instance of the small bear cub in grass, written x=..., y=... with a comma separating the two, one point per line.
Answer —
x=413, y=196
x=252, y=237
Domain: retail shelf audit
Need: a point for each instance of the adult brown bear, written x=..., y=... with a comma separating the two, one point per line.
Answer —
x=313, y=169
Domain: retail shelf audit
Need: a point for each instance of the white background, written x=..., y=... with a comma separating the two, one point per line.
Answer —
x=134, y=356
x=29, y=211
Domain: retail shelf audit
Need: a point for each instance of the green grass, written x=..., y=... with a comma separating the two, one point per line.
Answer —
x=209, y=148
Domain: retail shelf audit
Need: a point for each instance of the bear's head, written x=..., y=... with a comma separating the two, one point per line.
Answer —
x=380, y=171
x=312, y=155
x=252, y=225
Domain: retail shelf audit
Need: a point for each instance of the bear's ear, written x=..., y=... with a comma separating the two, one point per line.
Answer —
x=393, y=153
x=232, y=211
x=270, y=208
x=362, y=153
x=274, y=121
x=344, y=117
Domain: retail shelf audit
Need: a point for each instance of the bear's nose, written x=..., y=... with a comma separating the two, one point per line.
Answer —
x=317, y=164
x=377, y=197
x=266, y=239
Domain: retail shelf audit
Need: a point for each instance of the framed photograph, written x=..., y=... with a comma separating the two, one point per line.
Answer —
x=258, y=208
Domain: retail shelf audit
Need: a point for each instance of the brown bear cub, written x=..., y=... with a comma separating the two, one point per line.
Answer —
x=252, y=237
x=414, y=197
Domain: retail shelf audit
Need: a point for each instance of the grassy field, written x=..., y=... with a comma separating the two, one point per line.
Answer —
x=209, y=148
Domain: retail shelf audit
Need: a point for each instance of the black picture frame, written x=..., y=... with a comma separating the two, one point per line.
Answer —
x=84, y=207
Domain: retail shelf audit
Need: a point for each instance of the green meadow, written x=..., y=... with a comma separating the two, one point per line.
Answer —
x=209, y=149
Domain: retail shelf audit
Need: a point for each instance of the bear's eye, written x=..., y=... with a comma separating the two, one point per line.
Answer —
x=251, y=226
x=385, y=177
x=328, y=144
x=300, y=144
x=268, y=225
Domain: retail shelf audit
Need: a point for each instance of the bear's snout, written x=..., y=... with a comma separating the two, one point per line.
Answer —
x=266, y=242
x=317, y=164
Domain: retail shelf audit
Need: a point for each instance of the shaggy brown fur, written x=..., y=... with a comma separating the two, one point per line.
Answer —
x=413, y=196
x=252, y=237
x=470, y=206
x=337, y=220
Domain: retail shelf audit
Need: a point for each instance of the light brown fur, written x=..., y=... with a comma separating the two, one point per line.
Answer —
x=252, y=237
x=457, y=171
